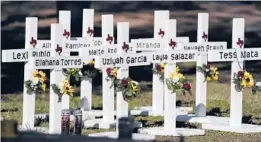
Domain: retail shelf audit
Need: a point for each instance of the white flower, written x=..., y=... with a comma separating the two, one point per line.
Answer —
x=207, y=70
x=258, y=84
x=175, y=79
x=137, y=83
x=35, y=81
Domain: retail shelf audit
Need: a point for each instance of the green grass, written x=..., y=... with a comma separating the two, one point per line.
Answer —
x=218, y=103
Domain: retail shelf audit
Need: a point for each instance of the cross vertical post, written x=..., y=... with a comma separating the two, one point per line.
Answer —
x=169, y=98
x=123, y=72
x=160, y=20
x=86, y=82
x=107, y=92
x=201, y=85
x=55, y=78
x=65, y=20
x=236, y=95
x=31, y=24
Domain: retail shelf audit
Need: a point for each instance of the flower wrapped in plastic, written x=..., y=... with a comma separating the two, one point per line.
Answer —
x=37, y=84
x=112, y=73
x=64, y=88
x=178, y=83
x=243, y=79
x=128, y=87
x=88, y=70
x=210, y=72
x=159, y=69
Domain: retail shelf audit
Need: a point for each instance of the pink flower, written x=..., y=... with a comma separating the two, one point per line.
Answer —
x=186, y=86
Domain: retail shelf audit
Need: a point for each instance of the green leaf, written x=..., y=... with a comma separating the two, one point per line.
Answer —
x=28, y=86
x=56, y=89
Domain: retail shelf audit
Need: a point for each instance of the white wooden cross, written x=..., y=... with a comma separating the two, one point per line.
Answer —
x=160, y=20
x=32, y=49
x=154, y=45
x=107, y=92
x=238, y=54
x=123, y=59
x=203, y=46
x=171, y=58
x=56, y=62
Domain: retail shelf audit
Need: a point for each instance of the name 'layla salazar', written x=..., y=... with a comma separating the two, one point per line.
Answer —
x=121, y=60
x=58, y=62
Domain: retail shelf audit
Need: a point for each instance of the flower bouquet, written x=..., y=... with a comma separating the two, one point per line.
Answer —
x=128, y=87
x=68, y=73
x=87, y=70
x=243, y=79
x=37, y=84
x=210, y=72
x=177, y=82
x=112, y=74
x=64, y=89
x=159, y=69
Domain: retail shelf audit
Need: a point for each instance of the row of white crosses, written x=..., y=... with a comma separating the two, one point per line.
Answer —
x=42, y=49
x=138, y=59
x=181, y=44
x=55, y=106
x=153, y=45
x=237, y=55
x=22, y=55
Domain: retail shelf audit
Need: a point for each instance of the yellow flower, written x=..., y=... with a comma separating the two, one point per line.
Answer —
x=247, y=80
x=213, y=68
x=177, y=74
x=177, y=69
x=209, y=78
x=67, y=88
x=92, y=62
x=44, y=87
x=215, y=75
x=134, y=88
x=162, y=65
x=41, y=76
x=114, y=72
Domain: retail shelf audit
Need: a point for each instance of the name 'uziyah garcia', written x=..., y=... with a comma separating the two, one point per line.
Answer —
x=124, y=60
